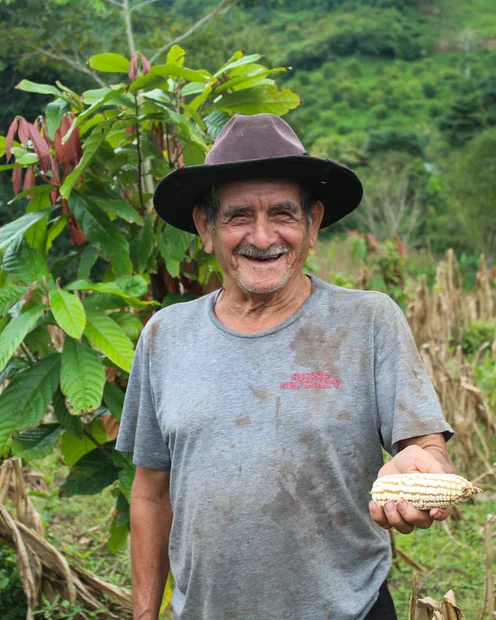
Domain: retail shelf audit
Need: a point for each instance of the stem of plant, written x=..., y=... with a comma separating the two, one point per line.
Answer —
x=140, y=172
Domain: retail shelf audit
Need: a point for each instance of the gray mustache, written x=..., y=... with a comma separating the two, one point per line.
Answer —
x=253, y=252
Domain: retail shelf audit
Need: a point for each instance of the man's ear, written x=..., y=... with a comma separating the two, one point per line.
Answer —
x=317, y=215
x=201, y=222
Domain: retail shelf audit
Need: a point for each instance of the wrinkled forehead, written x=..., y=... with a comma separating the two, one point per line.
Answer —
x=259, y=192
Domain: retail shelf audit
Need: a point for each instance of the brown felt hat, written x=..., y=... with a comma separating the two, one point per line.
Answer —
x=258, y=146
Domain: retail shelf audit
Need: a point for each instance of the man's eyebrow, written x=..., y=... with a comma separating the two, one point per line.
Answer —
x=234, y=210
x=288, y=206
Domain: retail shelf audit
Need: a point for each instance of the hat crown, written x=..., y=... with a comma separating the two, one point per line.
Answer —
x=260, y=136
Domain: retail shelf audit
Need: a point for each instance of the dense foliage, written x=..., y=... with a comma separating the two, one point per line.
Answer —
x=90, y=261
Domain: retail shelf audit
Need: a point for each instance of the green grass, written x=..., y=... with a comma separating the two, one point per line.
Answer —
x=455, y=563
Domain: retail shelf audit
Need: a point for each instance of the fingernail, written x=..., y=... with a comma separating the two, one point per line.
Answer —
x=389, y=506
x=402, y=505
x=372, y=506
x=436, y=514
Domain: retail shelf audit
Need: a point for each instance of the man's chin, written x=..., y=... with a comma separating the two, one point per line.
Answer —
x=259, y=287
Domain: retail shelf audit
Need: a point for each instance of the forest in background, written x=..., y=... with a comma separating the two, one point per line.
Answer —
x=402, y=91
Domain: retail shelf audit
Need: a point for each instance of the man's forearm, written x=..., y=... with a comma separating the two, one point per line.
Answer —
x=150, y=529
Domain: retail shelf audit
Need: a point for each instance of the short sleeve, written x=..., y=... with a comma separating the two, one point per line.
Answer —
x=407, y=402
x=139, y=431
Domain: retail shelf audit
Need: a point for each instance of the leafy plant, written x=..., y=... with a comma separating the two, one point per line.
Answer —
x=12, y=597
x=69, y=319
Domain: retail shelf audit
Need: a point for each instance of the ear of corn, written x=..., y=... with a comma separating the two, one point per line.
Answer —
x=424, y=491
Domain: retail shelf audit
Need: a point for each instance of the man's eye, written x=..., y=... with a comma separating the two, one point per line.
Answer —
x=284, y=215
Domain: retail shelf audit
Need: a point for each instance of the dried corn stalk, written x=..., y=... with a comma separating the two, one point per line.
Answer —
x=42, y=567
x=428, y=609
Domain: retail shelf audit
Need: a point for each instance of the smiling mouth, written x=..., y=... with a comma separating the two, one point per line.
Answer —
x=266, y=260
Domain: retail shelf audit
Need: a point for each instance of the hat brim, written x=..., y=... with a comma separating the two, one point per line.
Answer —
x=178, y=193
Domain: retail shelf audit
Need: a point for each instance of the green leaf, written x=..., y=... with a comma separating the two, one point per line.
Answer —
x=57, y=226
x=109, y=95
x=36, y=443
x=25, y=400
x=142, y=246
x=6, y=167
x=82, y=376
x=126, y=473
x=90, y=475
x=54, y=114
x=259, y=99
x=39, y=341
x=92, y=145
x=33, y=191
x=148, y=81
x=157, y=95
x=109, y=63
x=130, y=323
x=3, y=143
x=15, y=332
x=88, y=259
x=127, y=287
x=172, y=244
x=121, y=208
x=176, y=55
x=74, y=448
x=41, y=89
x=28, y=159
x=69, y=312
x=103, y=233
x=113, y=397
x=236, y=61
x=70, y=422
x=9, y=295
x=118, y=535
x=173, y=70
x=12, y=231
x=24, y=263
x=107, y=336
x=377, y=283
x=36, y=235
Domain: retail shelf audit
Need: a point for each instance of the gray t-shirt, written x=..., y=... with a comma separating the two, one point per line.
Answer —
x=273, y=441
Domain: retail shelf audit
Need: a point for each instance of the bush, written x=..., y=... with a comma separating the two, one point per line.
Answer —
x=476, y=333
x=12, y=597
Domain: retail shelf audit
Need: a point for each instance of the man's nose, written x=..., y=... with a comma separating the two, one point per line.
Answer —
x=262, y=234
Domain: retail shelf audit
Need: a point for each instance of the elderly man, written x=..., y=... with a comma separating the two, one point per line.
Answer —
x=257, y=414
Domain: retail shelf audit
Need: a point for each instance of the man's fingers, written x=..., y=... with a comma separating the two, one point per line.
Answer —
x=395, y=518
x=413, y=516
x=377, y=514
x=439, y=514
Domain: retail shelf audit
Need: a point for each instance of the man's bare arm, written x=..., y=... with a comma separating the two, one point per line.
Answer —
x=151, y=520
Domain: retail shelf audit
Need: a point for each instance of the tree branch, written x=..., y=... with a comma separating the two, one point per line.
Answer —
x=129, y=27
x=139, y=6
x=72, y=62
x=223, y=6
x=116, y=3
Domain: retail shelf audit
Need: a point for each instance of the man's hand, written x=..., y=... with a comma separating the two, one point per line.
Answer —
x=427, y=455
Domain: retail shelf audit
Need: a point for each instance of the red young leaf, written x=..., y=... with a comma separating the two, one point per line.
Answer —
x=10, y=137
x=31, y=288
x=41, y=148
x=400, y=246
x=53, y=196
x=29, y=180
x=69, y=152
x=23, y=131
x=17, y=180
x=133, y=66
x=146, y=63
x=55, y=180
x=77, y=236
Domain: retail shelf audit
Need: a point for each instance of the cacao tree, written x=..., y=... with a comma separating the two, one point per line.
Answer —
x=89, y=262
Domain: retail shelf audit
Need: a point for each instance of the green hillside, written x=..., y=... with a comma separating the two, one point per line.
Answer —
x=393, y=88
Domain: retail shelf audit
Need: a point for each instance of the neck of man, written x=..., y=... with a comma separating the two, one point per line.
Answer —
x=249, y=313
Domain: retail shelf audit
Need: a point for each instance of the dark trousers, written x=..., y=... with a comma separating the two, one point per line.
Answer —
x=384, y=606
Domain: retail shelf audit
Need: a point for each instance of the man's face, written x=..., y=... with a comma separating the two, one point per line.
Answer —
x=261, y=237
